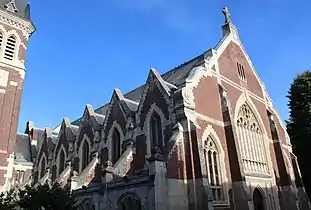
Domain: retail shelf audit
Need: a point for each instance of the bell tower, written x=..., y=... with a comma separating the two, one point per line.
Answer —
x=15, y=30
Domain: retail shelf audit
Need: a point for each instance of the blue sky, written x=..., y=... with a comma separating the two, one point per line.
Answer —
x=82, y=50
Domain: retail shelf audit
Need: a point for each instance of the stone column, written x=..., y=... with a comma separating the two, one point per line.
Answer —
x=157, y=170
x=240, y=193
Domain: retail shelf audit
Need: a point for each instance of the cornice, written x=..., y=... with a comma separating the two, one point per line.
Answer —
x=17, y=22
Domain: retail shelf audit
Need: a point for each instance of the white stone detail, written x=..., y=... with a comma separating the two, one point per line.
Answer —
x=22, y=167
x=210, y=133
x=11, y=6
x=4, y=76
x=3, y=168
x=192, y=81
x=18, y=39
x=17, y=22
x=210, y=119
x=188, y=97
x=251, y=141
x=13, y=83
x=16, y=63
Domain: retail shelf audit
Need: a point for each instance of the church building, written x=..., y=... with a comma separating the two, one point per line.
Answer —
x=204, y=135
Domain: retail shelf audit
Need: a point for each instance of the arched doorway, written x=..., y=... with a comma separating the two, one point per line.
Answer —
x=129, y=203
x=258, y=200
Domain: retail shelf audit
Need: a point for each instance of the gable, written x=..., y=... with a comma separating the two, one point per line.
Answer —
x=116, y=114
x=153, y=95
x=63, y=140
x=228, y=61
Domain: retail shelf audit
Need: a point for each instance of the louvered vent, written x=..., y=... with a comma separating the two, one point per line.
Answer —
x=10, y=48
x=1, y=40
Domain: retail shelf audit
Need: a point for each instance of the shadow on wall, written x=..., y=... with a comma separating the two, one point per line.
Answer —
x=257, y=198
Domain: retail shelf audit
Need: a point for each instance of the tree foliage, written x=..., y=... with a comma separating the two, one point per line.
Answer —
x=41, y=197
x=299, y=123
x=8, y=200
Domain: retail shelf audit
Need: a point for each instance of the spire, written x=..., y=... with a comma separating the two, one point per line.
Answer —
x=27, y=12
x=228, y=27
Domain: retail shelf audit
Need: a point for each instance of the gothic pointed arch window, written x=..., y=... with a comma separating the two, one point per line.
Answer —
x=85, y=155
x=129, y=203
x=212, y=162
x=251, y=141
x=10, y=48
x=42, y=166
x=116, y=145
x=61, y=161
x=156, y=138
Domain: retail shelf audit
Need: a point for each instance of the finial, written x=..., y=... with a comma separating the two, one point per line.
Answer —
x=226, y=13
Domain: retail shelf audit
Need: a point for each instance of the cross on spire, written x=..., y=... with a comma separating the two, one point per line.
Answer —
x=227, y=15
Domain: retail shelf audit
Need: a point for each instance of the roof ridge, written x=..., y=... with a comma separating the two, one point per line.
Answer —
x=166, y=75
x=183, y=64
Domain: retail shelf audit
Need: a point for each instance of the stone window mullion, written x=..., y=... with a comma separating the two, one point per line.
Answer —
x=252, y=141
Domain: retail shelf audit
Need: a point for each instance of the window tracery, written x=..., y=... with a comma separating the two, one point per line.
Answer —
x=251, y=141
x=211, y=154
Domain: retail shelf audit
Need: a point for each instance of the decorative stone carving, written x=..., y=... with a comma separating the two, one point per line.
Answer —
x=11, y=6
x=188, y=96
x=227, y=15
x=19, y=23
x=4, y=75
x=155, y=155
x=192, y=82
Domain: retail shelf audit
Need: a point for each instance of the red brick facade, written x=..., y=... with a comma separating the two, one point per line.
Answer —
x=11, y=85
x=179, y=132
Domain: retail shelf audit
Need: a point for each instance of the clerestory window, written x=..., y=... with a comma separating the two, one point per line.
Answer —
x=156, y=131
x=85, y=155
x=116, y=146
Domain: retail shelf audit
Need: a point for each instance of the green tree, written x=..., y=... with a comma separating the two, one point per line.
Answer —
x=299, y=124
x=8, y=200
x=47, y=198
x=41, y=197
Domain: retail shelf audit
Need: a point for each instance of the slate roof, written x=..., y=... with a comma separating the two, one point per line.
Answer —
x=22, y=148
x=175, y=76
x=23, y=9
